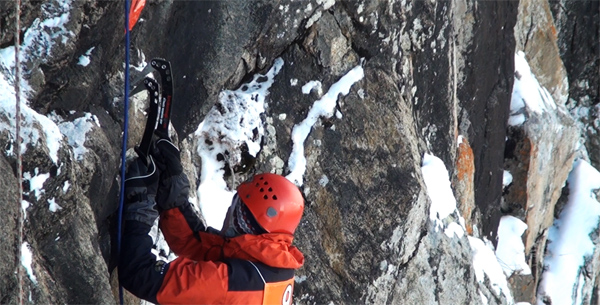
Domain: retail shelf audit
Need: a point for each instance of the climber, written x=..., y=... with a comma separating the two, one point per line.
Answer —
x=250, y=261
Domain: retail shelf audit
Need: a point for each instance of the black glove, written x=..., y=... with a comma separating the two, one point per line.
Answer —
x=174, y=186
x=141, y=185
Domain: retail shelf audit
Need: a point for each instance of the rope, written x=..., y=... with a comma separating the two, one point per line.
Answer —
x=21, y=217
x=124, y=145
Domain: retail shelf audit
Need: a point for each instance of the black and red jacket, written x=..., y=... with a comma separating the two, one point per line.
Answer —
x=210, y=269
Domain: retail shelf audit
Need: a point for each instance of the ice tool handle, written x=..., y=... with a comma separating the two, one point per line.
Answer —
x=143, y=150
x=164, y=69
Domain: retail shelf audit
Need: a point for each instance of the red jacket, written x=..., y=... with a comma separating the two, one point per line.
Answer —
x=210, y=269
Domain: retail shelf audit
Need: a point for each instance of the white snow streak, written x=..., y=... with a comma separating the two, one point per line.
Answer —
x=324, y=107
x=27, y=260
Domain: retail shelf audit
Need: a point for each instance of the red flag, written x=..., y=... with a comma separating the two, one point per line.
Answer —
x=135, y=10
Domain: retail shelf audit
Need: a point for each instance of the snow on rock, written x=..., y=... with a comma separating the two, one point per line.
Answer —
x=232, y=127
x=443, y=203
x=43, y=35
x=41, y=38
x=24, y=206
x=36, y=182
x=53, y=206
x=486, y=267
x=35, y=127
x=527, y=93
x=27, y=260
x=313, y=85
x=510, y=250
x=39, y=41
x=66, y=186
x=84, y=60
x=324, y=107
x=75, y=132
x=507, y=178
x=569, y=242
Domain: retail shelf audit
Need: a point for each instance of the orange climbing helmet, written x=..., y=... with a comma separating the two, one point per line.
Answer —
x=274, y=201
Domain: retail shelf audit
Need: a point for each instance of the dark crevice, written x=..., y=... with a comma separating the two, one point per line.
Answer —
x=528, y=33
x=414, y=253
x=403, y=266
x=362, y=52
x=12, y=43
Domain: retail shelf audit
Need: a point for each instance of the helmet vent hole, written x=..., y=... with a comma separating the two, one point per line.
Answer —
x=266, y=197
x=270, y=189
x=274, y=197
x=262, y=189
x=261, y=178
x=248, y=196
x=271, y=212
x=257, y=184
x=266, y=182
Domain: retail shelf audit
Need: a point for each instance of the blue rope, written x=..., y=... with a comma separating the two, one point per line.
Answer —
x=124, y=145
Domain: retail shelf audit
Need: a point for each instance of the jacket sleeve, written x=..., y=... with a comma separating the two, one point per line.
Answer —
x=139, y=271
x=194, y=282
x=182, y=227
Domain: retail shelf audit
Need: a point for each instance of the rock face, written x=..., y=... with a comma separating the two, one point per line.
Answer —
x=536, y=35
x=438, y=77
x=577, y=30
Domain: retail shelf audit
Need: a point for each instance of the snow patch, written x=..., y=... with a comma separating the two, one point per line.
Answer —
x=313, y=85
x=84, y=60
x=324, y=107
x=454, y=230
x=569, y=242
x=507, y=178
x=53, y=206
x=24, y=206
x=233, y=121
x=460, y=140
x=486, y=266
x=66, y=186
x=443, y=203
x=76, y=131
x=510, y=250
x=31, y=124
x=27, y=260
x=527, y=93
x=36, y=182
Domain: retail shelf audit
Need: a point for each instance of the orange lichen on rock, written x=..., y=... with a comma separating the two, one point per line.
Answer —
x=464, y=186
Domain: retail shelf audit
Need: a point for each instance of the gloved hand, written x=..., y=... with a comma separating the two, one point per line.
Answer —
x=174, y=186
x=141, y=185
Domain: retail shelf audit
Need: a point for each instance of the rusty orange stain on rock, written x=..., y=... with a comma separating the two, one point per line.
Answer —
x=465, y=173
x=465, y=165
